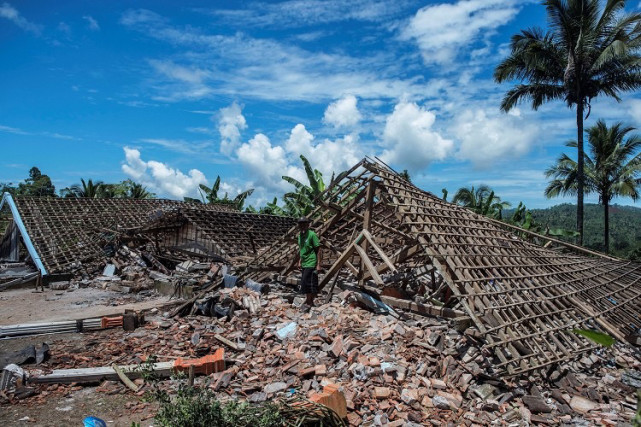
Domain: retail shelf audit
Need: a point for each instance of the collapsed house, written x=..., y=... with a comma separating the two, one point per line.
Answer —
x=71, y=235
x=524, y=293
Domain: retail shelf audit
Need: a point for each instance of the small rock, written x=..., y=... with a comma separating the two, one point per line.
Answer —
x=583, y=405
x=440, y=402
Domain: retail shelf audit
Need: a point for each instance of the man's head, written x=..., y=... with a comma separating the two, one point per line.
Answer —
x=303, y=223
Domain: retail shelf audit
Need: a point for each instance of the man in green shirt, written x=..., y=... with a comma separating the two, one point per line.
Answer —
x=309, y=261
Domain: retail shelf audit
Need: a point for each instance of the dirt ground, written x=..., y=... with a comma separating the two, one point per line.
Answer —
x=25, y=305
x=71, y=409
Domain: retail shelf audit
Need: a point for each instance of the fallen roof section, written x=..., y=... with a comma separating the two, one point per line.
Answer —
x=523, y=297
x=62, y=234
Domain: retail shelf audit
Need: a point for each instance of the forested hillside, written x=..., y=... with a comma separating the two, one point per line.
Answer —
x=625, y=226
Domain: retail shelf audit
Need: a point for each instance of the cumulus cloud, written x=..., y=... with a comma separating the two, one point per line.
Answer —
x=265, y=162
x=160, y=177
x=328, y=156
x=410, y=140
x=486, y=138
x=343, y=113
x=230, y=123
x=9, y=12
x=443, y=30
x=92, y=24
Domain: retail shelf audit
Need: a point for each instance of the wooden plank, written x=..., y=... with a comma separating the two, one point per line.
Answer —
x=94, y=375
x=425, y=309
x=368, y=264
x=335, y=268
x=124, y=378
x=227, y=342
x=378, y=250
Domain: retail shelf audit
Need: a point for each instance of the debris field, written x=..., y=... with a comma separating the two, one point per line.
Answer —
x=429, y=313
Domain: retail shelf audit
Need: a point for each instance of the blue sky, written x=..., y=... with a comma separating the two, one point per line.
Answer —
x=173, y=95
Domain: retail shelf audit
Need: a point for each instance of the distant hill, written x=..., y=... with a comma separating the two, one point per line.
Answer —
x=625, y=226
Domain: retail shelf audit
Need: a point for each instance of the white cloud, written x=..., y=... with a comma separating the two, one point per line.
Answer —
x=486, y=138
x=140, y=16
x=16, y=131
x=328, y=156
x=298, y=13
x=178, y=145
x=181, y=82
x=64, y=28
x=634, y=110
x=343, y=113
x=239, y=65
x=410, y=140
x=92, y=24
x=265, y=162
x=48, y=134
x=160, y=177
x=299, y=141
x=9, y=12
x=443, y=30
x=230, y=123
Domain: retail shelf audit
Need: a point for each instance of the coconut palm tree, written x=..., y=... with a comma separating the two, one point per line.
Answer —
x=133, y=190
x=88, y=189
x=481, y=200
x=612, y=168
x=589, y=51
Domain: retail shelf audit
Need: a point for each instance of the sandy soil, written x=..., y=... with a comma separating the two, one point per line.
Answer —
x=24, y=305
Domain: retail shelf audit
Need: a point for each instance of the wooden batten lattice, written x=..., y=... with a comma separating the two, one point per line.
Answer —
x=525, y=298
x=68, y=232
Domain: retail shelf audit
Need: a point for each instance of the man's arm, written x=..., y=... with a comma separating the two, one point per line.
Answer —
x=317, y=250
x=318, y=258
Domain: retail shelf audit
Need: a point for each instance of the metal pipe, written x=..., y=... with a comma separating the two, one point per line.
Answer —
x=6, y=198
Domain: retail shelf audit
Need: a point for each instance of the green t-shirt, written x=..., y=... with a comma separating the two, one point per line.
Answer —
x=307, y=243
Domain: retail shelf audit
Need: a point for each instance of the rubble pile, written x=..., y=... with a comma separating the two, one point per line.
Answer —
x=391, y=371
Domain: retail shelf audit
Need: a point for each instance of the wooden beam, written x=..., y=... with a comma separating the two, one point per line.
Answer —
x=335, y=268
x=368, y=265
x=424, y=309
x=94, y=375
x=401, y=255
x=378, y=250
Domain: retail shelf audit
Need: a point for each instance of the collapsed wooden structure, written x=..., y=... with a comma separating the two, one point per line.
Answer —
x=523, y=292
x=66, y=234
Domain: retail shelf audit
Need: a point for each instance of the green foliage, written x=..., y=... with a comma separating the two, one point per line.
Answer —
x=302, y=201
x=192, y=406
x=405, y=175
x=591, y=49
x=595, y=336
x=482, y=201
x=127, y=189
x=625, y=226
x=612, y=168
x=209, y=195
x=37, y=185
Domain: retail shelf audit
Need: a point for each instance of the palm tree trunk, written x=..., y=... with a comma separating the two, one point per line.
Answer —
x=580, y=175
x=606, y=222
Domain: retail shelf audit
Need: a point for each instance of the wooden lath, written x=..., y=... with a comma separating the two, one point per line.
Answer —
x=525, y=298
x=69, y=231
